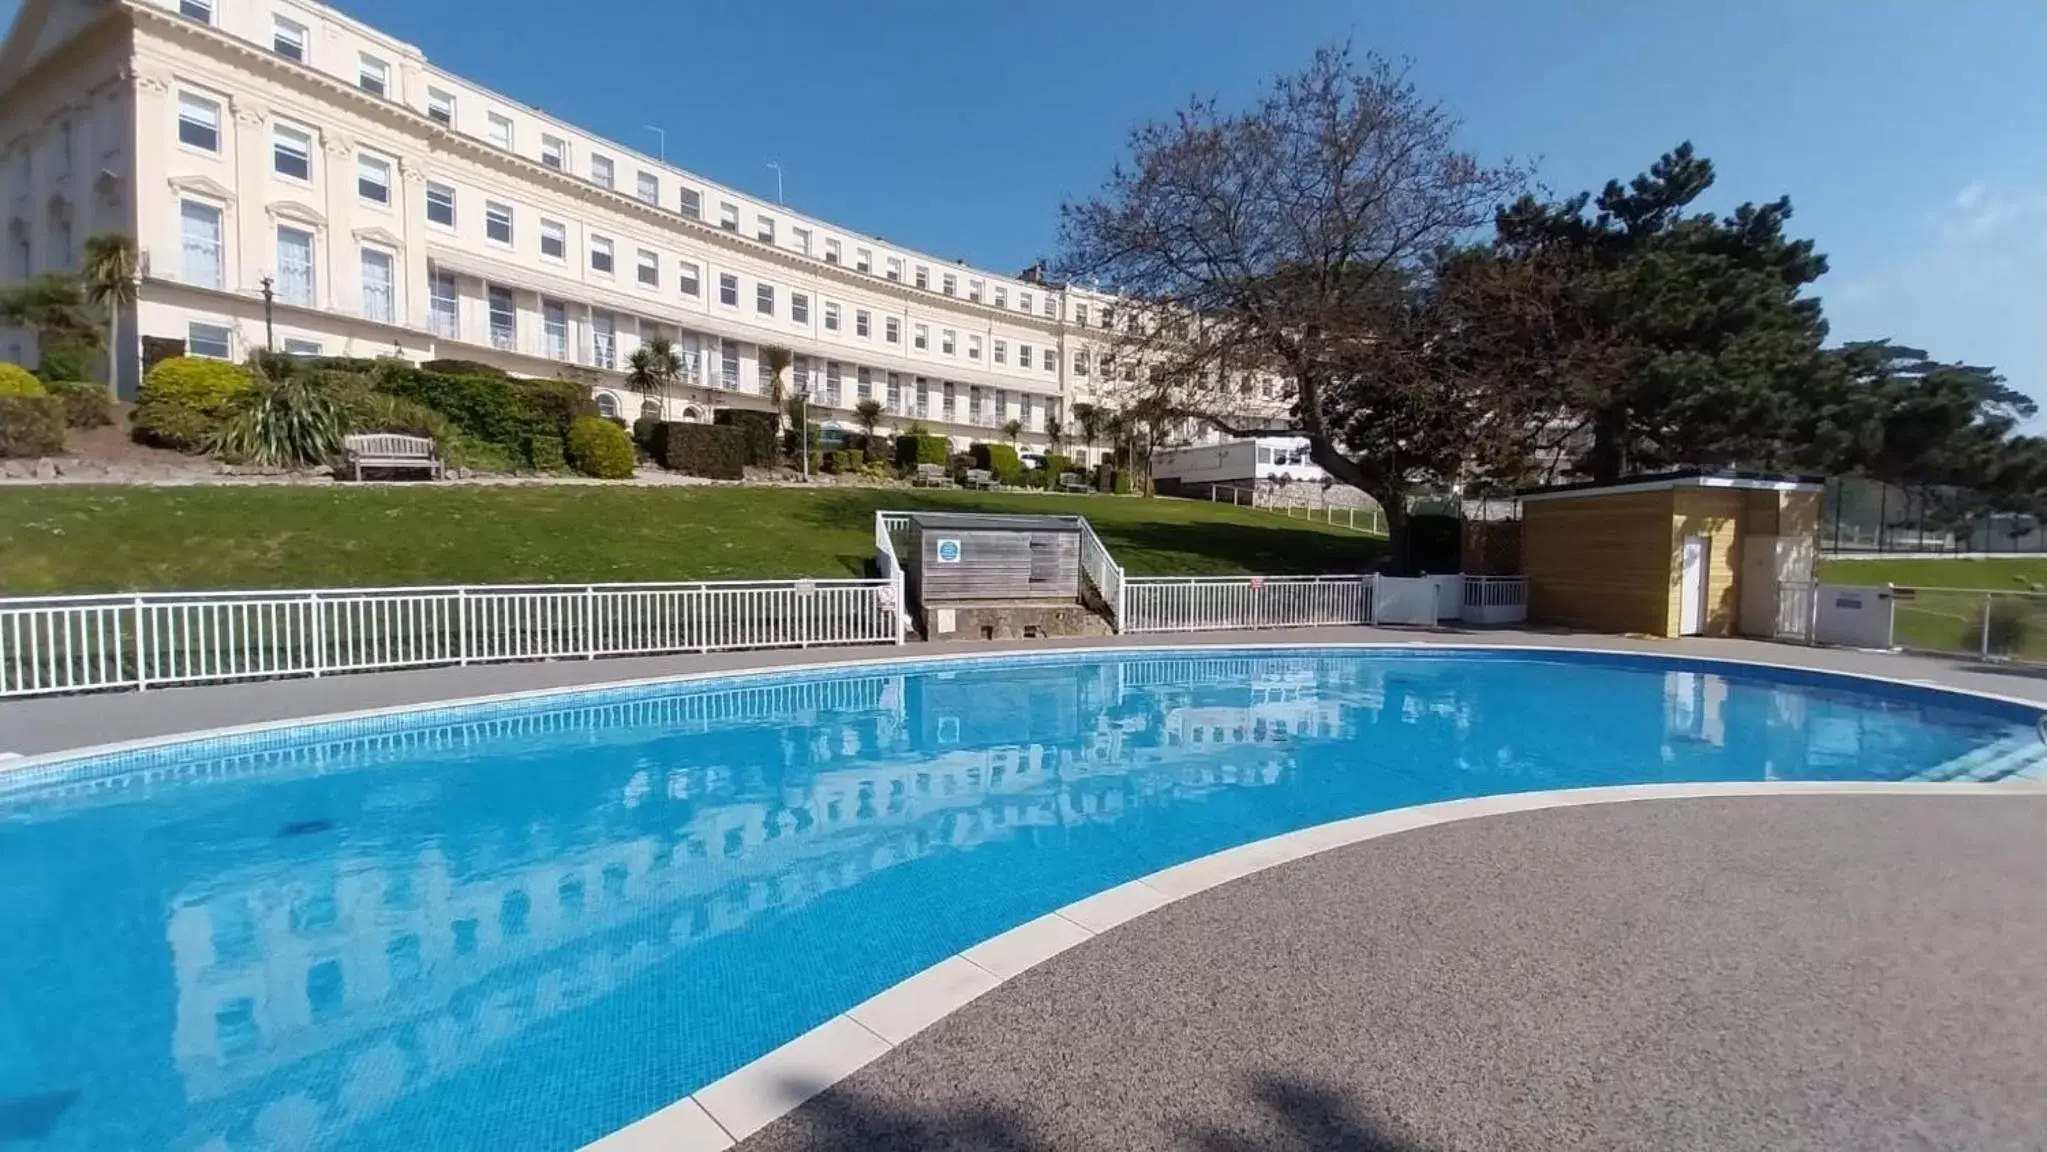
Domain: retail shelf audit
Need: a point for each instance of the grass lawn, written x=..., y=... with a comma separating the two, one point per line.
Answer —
x=61, y=539
x=1945, y=612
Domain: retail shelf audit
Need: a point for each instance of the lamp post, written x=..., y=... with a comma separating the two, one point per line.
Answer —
x=269, y=320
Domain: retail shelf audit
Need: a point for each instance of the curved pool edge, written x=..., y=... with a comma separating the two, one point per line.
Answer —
x=742, y=1102
x=10, y=767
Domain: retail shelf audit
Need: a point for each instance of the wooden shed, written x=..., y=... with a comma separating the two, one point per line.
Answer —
x=957, y=558
x=1679, y=554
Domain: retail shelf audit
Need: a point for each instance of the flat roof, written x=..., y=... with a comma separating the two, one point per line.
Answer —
x=993, y=522
x=1689, y=478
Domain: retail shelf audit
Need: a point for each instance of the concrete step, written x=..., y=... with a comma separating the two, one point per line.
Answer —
x=2014, y=757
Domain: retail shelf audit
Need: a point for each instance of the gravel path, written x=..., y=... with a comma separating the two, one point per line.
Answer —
x=1785, y=972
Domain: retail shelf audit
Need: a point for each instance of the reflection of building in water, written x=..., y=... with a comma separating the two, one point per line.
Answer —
x=407, y=974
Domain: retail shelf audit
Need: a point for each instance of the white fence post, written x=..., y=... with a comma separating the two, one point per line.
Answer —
x=319, y=631
x=141, y=646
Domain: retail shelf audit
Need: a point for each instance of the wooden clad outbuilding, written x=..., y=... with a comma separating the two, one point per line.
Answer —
x=963, y=557
x=1680, y=554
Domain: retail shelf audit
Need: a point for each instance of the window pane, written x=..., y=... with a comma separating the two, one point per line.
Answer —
x=209, y=340
x=440, y=204
x=200, y=225
x=373, y=180
x=295, y=266
x=198, y=122
x=379, y=293
x=292, y=153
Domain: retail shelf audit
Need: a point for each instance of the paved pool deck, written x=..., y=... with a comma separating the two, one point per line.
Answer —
x=52, y=724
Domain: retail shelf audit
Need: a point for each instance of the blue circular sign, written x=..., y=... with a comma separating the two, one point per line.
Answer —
x=948, y=551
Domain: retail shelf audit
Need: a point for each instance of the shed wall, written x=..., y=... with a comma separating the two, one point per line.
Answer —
x=1601, y=562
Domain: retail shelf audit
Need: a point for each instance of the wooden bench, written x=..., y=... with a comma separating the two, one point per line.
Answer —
x=931, y=476
x=980, y=478
x=1072, y=482
x=390, y=450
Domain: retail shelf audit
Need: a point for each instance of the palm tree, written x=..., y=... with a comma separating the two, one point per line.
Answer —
x=54, y=309
x=1013, y=429
x=646, y=373
x=775, y=361
x=868, y=412
x=1089, y=418
x=111, y=269
x=1055, y=434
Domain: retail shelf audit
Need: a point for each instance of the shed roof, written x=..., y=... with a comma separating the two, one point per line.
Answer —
x=1690, y=478
x=993, y=522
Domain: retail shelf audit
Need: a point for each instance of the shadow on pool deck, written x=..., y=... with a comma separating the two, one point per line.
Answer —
x=1301, y=1116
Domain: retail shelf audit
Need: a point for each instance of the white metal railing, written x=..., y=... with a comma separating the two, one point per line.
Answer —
x=1495, y=600
x=1198, y=603
x=890, y=568
x=1108, y=577
x=85, y=643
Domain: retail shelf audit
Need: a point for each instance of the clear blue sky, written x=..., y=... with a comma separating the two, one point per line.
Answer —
x=1911, y=136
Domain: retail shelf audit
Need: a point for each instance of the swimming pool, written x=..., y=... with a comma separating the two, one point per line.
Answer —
x=526, y=924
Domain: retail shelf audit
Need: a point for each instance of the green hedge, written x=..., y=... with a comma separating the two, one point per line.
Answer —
x=463, y=368
x=85, y=405
x=185, y=399
x=64, y=362
x=1057, y=466
x=647, y=434
x=599, y=448
x=845, y=460
x=509, y=413
x=999, y=459
x=914, y=450
x=759, y=430
x=714, y=450
x=544, y=452
x=31, y=426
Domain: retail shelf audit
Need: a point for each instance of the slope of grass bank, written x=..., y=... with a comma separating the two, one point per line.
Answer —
x=62, y=539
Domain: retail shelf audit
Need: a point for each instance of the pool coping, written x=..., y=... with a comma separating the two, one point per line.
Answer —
x=719, y=1114
x=735, y=1106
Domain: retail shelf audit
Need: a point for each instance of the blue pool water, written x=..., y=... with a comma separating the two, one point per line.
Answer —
x=526, y=925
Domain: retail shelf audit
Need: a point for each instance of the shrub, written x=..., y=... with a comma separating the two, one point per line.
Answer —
x=999, y=459
x=207, y=387
x=913, y=449
x=85, y=405
x=64, y=362
x=845, y=461
x=508, y=413
x=1057, y=466
x=759, y=430
x=31, y=425
x=545, y=454
x=463, y=368
x=477, y=455
x=599, y=448
x=286, y=423
x=2011, y=625
x=794, y=439
x=168, y=425
x=1037, y=478
x=18, y=381
x=1122, y=484
x=647, y=433
x=714, y=450
x=383, y=412
x=157, y=349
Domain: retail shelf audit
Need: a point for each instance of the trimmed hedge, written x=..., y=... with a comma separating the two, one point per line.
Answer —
x=64, y=362
x=85, y=405
x=1057, y=466
x=463, y=368
x=914, y=450
x=647, y=434
x=599, y=448
x=31, y=426
x=845, y=460
x=511, y=414
x=545, y=454
x=18, y=381
x=717, y=451
x=999, y=459
x=184, y=401
x=759, y=430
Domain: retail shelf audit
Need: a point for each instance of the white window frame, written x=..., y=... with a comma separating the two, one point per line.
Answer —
x=208, y=105
x=831, y=250
x=511, y=220
x=296, y=347
x=689, y=202
x=863, y=323
x=728, y=216
x=366, y=163
x=501, y=131
x=200, y=10
x=801, y=238
x=920, y=337
x=554, y=152
x=973, y=346
x=831, y=316
x=863, y=261
x=558, y=232
x=764, y=299
x=279, y=130
x=226, y=340
x=447, y=192
x=601, y=246
x=440, y=106
x=1000, y=352
x=1023, y=355
x=603, y=172
x=949, y=283
x=1001, y=296
x=728, y=290
x=283, y=32
x=799, y=307
x=948, y=341
x=390, y=313
x=764, y=228
x=974, y=291
x=689, y=279
x=892, y=329
x=311, y=297
x=647, y=186
x=218, y=272
x=370, y=68
x=895, y=269
x=647, y=267
x=923, y=277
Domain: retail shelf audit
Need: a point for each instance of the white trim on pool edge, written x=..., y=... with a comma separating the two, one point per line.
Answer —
x=741, y=1103
x=49, y=759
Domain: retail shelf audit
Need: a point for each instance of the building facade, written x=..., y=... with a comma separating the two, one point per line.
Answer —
x=388, y=207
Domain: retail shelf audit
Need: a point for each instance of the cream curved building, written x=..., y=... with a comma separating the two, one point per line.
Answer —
x=391, y=207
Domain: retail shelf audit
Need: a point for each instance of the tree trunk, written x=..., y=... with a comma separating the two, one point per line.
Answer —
x=1389, y=491
x=114, y=348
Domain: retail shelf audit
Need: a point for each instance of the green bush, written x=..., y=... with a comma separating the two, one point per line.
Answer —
x=31, y=425
x=1057, y=466
x=463, y=368
x=289, y=423
x=647, y=434
x=205, y=386
x=478, y=456
x=508, y=413
x=85, y=405
x=1123, y=483
x=714, y=450
x=760, y=430
x=168, y=425
x=912, y=450
x=845, y=461
x=999, y=459
x=545, y=454
x=794, y=439
x=18, y=381
x=599, y=448
x=1037, y=478
x=64, y=362
x=2012, y=623
x=157, y=349
x=383, y=412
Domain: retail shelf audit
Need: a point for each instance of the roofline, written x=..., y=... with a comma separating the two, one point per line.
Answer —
x=1672, y=481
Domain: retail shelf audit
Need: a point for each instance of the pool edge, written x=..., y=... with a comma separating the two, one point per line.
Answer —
x=735, y=1106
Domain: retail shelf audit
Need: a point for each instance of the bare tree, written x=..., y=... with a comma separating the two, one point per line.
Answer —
x=1264, y=257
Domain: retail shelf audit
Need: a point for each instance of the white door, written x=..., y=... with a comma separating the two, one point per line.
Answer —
x=1691, y=604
